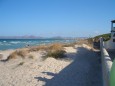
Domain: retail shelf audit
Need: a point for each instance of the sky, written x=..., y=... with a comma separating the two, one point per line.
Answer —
x=48, y=18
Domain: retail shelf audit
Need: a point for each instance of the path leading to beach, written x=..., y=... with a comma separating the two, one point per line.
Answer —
x=82, y=67
x=85, y=70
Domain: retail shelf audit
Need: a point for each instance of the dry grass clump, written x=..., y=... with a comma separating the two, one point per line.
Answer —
x=90, y=42
x=22, y=53
x=15, y=54
x=31, y=56
x=21, y=63
x=56, y=51
x=37, y=48
x=12, y=55
x=55, y=46
x=70, y=44
x=56, y=54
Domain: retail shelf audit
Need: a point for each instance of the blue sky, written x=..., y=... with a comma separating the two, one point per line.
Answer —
x=47, y=18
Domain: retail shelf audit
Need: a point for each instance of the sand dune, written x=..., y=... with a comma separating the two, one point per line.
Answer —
x=81, y=67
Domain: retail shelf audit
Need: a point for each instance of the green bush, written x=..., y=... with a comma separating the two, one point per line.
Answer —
x=106, y=37
x=21, y=63
x=56, y=54
x=31, y=56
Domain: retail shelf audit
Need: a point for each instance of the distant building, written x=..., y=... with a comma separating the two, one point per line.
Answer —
x=110, y=44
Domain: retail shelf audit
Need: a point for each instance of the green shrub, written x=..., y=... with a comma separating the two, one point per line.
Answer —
x=31, y=56
x=21, y=63
x=106, y=37
x=56, y=54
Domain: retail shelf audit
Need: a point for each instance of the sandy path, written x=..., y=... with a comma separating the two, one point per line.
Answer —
x=82, y=69
x=85, y=70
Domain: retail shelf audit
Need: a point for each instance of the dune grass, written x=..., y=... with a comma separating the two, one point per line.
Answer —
x=55, y=50
x=18, y=53
x=56, y=54
x=37, y=48
x=21, y=63
x=31, y=56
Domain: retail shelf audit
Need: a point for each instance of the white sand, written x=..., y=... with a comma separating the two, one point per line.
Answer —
x=52, y=72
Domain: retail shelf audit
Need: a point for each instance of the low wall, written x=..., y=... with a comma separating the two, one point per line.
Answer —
x=106, y=64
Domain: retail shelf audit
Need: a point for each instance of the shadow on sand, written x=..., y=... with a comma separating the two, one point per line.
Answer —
x=85, y=70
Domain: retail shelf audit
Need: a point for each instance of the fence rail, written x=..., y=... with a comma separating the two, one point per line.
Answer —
x=106, y=64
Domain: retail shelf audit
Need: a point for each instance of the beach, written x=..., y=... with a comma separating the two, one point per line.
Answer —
x=6, y=44
x=80, y=67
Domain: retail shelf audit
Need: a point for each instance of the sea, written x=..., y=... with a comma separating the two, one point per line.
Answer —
x=6, y=44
